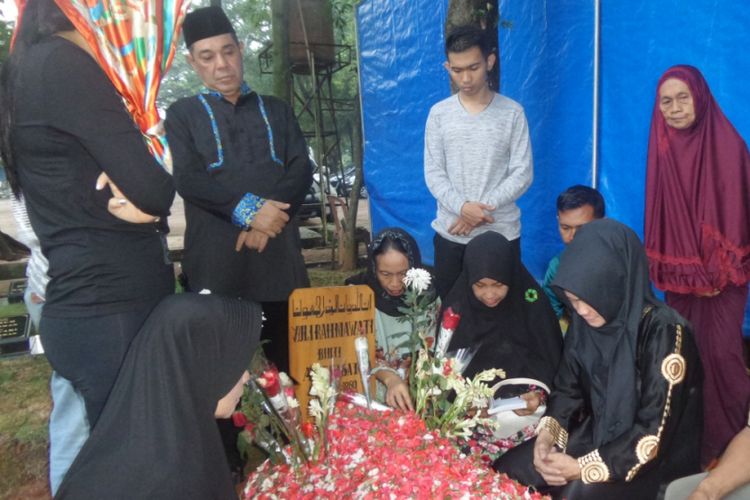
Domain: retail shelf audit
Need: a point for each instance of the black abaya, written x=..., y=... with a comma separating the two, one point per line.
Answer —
x=157, y=437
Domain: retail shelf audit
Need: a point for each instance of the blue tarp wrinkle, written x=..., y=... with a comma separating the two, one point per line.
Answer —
x=546, y=61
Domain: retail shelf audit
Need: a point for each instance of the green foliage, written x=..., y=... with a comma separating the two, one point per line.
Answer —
x=6, y=32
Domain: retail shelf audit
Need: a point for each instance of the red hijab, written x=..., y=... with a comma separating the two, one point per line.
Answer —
x=697, y=230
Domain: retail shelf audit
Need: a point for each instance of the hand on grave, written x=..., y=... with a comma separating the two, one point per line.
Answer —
x=397, y=392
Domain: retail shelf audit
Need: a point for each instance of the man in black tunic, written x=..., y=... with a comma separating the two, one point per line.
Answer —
x=242, y=167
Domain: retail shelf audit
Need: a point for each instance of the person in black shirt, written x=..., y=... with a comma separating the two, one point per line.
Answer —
x=96, y=198
x=241, y=164
x=190, y=352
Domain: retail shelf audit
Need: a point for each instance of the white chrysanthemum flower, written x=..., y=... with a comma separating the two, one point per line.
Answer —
x=417, y=279
x=293, y=403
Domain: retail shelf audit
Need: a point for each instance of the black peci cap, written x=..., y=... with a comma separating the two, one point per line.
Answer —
x=205, y=23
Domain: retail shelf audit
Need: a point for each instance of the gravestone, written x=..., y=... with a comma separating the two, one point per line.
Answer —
x=323, y=325
x=14, y=335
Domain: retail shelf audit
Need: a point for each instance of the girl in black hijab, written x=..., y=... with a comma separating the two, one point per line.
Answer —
x=505, y=316
x=391, y=253
x=157, y=437
x=626, y=407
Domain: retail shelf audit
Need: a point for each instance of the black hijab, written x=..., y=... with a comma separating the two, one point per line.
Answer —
x=157, y=436
x=605, y=266
x=521, y=334
x=400, y=240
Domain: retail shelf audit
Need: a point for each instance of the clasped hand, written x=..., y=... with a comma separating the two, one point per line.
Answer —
x=267, y=223
x=557, y=468
x=119, y=206
x=473, y=214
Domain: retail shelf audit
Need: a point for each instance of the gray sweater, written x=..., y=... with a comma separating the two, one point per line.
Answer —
x=484, y=157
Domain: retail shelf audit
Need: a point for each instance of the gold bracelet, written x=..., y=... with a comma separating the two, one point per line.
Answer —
x=593, y=468
x=552, y=426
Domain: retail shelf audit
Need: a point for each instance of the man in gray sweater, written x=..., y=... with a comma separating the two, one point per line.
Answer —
x=477, y=158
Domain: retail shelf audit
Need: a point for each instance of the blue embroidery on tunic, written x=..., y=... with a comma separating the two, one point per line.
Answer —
x=244, y=90
x=215, y=128
x=246, y=209
x=262, y=107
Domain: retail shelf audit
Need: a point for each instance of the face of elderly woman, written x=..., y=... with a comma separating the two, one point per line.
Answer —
x=391, y=268
x=676, y=104
x=588, y=313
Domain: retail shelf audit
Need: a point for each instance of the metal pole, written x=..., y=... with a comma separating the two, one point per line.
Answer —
x=595, y=107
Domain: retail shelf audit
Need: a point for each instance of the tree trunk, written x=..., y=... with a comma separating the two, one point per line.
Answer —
x=481, y=13
x=348, y=249
x=282, y=72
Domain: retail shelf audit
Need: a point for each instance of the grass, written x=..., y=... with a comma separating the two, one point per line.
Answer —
x=12, y=310
x=25, y=405
x=24, y=409
x=327, y=277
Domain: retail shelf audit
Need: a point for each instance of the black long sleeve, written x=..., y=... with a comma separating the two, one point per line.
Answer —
x=70, y=126
x=83, y=103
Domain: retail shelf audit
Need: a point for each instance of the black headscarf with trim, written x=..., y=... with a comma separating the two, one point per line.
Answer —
x=401, y=241
x=157, y=435
x=605, y=266
x=521, y=334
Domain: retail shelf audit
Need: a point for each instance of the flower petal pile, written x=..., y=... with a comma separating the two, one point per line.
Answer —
x=384, y=455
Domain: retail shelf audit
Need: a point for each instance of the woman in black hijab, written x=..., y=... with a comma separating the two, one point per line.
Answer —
x=625, y=412
x=505, y=316
x=157, y=437
x=391, y=253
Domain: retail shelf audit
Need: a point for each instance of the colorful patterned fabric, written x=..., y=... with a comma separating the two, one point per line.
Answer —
x=134, y=41
x=246, y=210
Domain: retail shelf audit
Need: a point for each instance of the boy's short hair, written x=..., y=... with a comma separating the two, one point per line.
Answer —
x=463, y=38
x=578, y=196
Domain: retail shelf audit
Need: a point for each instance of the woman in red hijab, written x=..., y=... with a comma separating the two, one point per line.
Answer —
x=698, y=238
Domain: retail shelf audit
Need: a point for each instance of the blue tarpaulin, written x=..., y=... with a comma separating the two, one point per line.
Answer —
x=547, y=65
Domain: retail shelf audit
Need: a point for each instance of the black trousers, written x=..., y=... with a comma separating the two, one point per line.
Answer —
x=518, y=464
x=449, y=258
x=90, y=351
